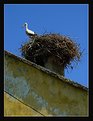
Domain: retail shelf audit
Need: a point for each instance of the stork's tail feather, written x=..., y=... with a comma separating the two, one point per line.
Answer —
x=34, y=35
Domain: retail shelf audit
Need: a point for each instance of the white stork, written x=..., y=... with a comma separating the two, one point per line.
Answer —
x=30, y=33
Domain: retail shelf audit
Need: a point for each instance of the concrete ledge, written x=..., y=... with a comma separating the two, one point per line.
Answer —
x=45, y=91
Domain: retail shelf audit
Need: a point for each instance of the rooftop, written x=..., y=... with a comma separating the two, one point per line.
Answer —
x=75, y=84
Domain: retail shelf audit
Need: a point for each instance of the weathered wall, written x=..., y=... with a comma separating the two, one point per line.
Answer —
x=13, y=107
x=46, y=92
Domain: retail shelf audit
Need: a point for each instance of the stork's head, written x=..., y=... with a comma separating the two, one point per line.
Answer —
x=25, y=24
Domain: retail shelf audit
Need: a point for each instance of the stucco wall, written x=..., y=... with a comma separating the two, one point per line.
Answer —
x=13, y=107
x=43, y=90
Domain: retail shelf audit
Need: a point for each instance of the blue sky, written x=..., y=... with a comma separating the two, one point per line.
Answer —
x=70, y=20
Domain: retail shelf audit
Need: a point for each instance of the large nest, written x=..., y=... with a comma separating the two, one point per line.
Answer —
x=39, y=48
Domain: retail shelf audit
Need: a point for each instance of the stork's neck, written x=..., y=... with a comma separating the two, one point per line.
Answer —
x=26, y=26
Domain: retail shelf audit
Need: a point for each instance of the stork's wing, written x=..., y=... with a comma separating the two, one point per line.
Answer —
x=30, y=32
